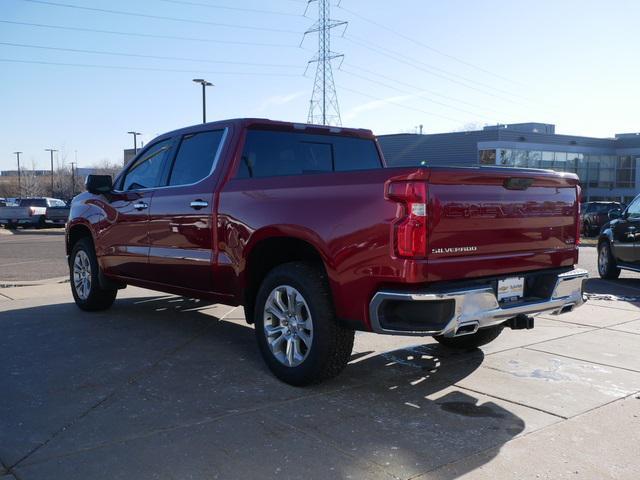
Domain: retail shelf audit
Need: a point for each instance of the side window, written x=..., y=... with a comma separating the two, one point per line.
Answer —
x=195, y=157
x=146, y=172
x=268, y=154
x=273, y=154
x=634, y=209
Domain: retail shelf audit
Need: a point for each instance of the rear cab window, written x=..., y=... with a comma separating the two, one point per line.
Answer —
x=275, y=153
x=33, y=202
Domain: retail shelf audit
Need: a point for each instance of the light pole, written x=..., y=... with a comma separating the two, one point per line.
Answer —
x=17, y=154
x=51, y=150
x=135, y=141
x=204, y=84
x=73, y=179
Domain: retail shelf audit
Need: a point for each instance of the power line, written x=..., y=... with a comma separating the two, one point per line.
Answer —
x=418, y=94
x=424, y=45
x=414, y=63
x=148, y=35
x=149, y=69
x=160, y=17
x=419, y=88
x=372, y=46
x=237, y=9
x=157, y=57
x=407, y=107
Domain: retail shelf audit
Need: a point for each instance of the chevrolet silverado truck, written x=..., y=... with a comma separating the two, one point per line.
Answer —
x=308, y=230
x=33, y=212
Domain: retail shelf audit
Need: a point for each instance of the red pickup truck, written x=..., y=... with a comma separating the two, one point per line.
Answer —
x=307, y=228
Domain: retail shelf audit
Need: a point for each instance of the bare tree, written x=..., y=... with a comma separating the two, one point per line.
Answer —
x=106, y=167
x=8, y=186
x=32, y=184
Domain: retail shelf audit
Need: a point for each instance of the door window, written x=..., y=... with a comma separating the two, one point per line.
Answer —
x=634, y=209
x=147, y=170
x=196, y=157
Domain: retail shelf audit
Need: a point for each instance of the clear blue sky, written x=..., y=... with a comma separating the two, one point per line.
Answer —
x=442, y=64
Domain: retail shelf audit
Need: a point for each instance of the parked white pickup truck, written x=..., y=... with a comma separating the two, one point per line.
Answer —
x=34, y=212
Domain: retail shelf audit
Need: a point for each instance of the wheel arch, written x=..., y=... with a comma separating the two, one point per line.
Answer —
x=269, y=252
x=75, y=233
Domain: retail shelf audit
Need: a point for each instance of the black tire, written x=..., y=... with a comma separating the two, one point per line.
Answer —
x=607, y=266
x=586, y=229
x=475, y=340
x=98, y=298
x=331, y=342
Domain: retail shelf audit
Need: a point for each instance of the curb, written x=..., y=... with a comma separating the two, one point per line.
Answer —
x=34, y=283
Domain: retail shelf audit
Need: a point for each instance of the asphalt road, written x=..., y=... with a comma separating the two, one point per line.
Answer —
x=32, y=255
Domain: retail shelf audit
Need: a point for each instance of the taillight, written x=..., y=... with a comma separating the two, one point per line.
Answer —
x=410, y=229
x=578, y=219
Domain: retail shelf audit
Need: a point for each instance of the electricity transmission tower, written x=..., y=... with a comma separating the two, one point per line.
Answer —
x=324, y=108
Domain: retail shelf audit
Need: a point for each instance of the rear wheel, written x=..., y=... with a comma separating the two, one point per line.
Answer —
x=607, y=266
x=468, y=342
x=296, y=327
x=84, y=273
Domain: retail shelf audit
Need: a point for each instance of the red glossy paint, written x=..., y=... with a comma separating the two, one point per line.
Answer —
x=475, y=226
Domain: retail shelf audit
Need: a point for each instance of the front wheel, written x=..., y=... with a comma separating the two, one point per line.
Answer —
x=299, y=336
x=84, y=273
x=607, y=267
x=475, y=340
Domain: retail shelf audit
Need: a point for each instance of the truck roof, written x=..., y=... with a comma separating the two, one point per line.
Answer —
x=272, y=124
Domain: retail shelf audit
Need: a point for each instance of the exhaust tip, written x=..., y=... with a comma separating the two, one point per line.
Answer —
x=567, y=308
x=467, y=329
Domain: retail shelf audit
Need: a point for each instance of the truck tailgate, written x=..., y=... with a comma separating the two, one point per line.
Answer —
x=486, y=221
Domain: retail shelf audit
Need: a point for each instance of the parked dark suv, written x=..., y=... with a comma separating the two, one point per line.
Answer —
x=619, y=241
x=596, y=214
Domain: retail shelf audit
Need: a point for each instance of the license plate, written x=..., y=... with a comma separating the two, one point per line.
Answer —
x=510, y=288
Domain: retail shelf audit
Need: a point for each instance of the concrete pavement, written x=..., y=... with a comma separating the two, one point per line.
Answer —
x=165, y=387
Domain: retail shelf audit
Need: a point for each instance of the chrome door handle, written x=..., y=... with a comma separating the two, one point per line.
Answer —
x=140, y=206
x=198, y=204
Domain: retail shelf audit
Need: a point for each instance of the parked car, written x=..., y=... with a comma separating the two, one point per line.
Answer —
x=596, y=214
x=307, y=229
x=34, y=212
x=619, y=242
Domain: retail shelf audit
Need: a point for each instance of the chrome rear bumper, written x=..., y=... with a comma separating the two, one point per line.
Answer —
x=478, y=307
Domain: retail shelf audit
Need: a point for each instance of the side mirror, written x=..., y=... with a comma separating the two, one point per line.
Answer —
x=615, y=213
x=99, y=184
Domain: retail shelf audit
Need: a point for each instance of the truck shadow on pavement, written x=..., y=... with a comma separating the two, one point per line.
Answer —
x=161, y=387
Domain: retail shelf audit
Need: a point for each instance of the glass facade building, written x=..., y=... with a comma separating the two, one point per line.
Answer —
x=608, y=172
x=606, y=166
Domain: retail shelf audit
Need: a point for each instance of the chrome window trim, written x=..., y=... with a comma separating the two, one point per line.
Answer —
x=213, y=167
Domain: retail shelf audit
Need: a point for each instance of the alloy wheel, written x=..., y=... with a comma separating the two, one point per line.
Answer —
x=288, y=326
x=82, y=275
